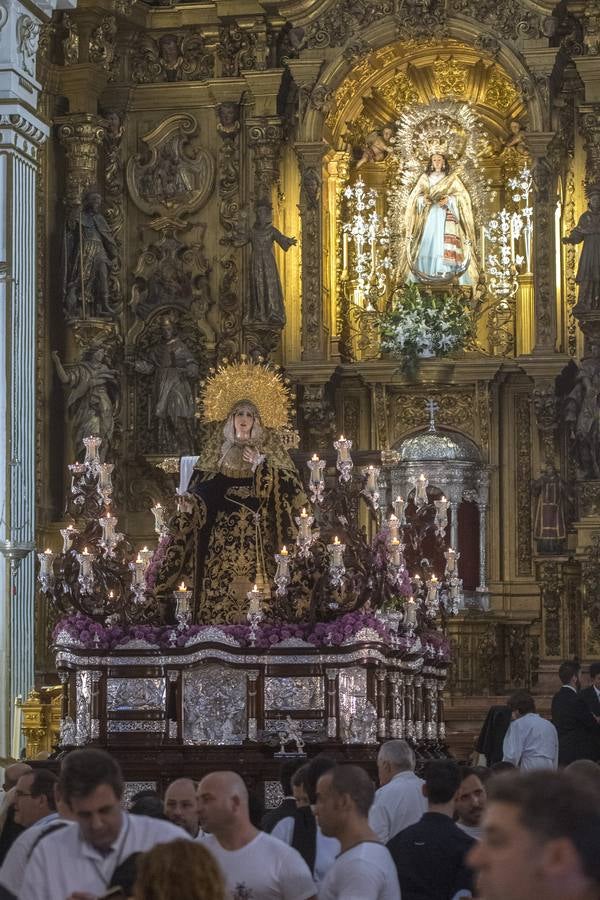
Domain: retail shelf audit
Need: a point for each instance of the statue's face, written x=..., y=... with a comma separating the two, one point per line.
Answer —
x=594, y=202
x=94, y=202
x=438, y=162
x=263, y=215
x=243, y=422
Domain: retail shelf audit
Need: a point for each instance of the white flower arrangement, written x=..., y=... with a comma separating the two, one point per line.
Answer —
x=418, y=323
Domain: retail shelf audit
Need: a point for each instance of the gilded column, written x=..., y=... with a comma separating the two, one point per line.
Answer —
x=544, y=250
x=314, y=332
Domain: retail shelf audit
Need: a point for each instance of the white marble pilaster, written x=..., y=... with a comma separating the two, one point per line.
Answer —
x=22, y=133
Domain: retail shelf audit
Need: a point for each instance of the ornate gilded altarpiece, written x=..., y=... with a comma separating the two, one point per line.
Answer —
x=173, y=123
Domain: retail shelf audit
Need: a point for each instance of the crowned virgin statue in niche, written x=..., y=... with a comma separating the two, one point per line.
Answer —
x=242, y=498
x=439, y=225
x=438, y=197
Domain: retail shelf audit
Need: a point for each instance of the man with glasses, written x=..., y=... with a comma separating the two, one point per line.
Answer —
x=35, y=810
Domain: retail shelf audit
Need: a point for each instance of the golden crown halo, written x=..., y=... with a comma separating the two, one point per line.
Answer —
x=257, y=382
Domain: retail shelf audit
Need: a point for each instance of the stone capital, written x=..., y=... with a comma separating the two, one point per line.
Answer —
x=264, y=90
x=22, y=131
x=589, y=72
x=81, y=135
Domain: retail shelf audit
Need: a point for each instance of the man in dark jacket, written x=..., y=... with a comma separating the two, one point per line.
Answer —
x=288, y=805
x=430, y=856
x=578, y=730
x=591, y=695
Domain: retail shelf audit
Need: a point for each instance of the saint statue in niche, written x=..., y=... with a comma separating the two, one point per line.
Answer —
x=587, y=231
x=242, y=498
x=90, y=252
x=266, y=306
x=438, y=197
x=440, y=230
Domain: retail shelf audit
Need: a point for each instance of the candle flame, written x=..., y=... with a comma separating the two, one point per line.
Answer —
x=303, y=514
x=139, y=559
x=336, y=540
x=284, y=551
x=342, y=438
x=48, y=550
x=86, y=552
x=255, y=589
x=314, y=458
x=182, y=586
x=145, y=550
x=111, y=595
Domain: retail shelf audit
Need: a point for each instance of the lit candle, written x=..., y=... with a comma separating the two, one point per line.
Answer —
x=411, y=611
x=432, y=589
x=158, y=512
x=441, y=515
x=343, y=448
x=282, y=560
x=68, y=534
x=393, y=525
x=46, y=559
x=395, y=549
x=304, y=525
x=399, y=507
x=85, y=561
x=182, y=586
x=91, y=445
x=316, y=467
x=421, y=489
x=451, y=559
x=336, y=550
x=372, y=472
x=254, y=596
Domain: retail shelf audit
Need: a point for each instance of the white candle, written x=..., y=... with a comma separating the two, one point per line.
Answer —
x=304, y=524
x=393, y=525
x=254, y=596
x=411, y=612
x=399, y=507
x=451, y=560
x=283, y=565
x=395, y=552
x=336, y=552
x=432, y=588
x=421, y=489
x=343, y=446
x=372, y=473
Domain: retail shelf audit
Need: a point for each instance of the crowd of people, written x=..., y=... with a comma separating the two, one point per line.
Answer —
x=512, y=830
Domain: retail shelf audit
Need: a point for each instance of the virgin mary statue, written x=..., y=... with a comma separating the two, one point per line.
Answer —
x=242, y=499
x=440, y=229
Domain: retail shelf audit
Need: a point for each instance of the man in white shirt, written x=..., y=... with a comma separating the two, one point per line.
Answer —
x=181, y=806
x=35, y=810
x=254, y=864
x=531, y=742
x=78, y=862
x=364, y=870
x=399, y=802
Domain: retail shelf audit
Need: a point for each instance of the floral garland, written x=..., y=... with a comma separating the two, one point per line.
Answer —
x=84, y=632
x=419, y=323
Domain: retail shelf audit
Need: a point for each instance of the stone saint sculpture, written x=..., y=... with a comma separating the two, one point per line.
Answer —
x=92, y=387
x=175, y=371
x=266, y=306
x=90, y=249
x=582, y=416
x=587, y=231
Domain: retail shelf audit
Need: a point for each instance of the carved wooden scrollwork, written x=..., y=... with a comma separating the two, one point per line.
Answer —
x=172, y=177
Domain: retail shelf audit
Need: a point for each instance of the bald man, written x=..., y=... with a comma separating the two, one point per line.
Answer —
x=181, y=806
x=254, y=864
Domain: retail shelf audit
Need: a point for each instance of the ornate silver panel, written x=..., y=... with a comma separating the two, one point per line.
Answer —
x=294, y=693
x=273, y=794
x=83, y=682
x=135, y=693
x=358, y=717
x=123, y=726
x=214, y=705
x=274, y=726
x=131, y=788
